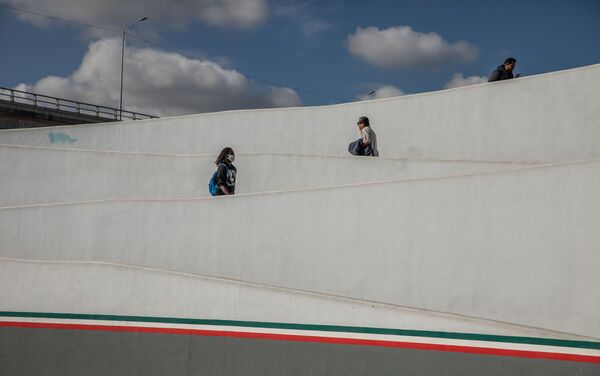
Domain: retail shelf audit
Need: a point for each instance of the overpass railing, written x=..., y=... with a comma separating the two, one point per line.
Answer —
x=81, y=108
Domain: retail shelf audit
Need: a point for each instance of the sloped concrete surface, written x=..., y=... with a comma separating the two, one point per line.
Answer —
x=501, y=246
x=549, y=117
x=39, y=175
x=481, y=215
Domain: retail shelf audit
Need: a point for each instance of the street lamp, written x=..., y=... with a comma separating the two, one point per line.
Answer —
x=123, y=63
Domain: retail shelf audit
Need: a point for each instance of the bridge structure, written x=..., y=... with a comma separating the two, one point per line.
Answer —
x=470, y=246
x=22, y=109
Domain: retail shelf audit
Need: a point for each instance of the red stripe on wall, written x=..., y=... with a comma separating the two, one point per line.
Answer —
x=303, y=338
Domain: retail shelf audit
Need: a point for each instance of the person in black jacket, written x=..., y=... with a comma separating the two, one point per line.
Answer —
x=226, y=172
x=504, y=71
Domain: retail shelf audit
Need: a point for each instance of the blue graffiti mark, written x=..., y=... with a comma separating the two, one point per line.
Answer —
x=60, y=138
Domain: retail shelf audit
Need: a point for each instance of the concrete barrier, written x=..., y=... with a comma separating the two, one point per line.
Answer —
x=213, y=340
x=214, y=298
x=517, y=246
x=458, y=241
x=549, y=117
x=35, y=175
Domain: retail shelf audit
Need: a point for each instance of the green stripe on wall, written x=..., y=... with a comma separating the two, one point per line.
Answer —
x=328, y=328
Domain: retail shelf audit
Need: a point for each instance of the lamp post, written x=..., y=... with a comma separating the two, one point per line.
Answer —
x=123, y=63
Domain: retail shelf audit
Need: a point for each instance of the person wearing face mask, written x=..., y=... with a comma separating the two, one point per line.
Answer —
x=226, y=172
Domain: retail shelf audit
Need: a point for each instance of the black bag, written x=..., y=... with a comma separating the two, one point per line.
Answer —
x=356, y=147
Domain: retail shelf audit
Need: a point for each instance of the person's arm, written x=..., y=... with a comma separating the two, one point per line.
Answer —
x=364, y=135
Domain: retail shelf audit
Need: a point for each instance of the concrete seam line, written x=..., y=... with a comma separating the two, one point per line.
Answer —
x=229, y=281
x=253, y=154
x=294, y=291
x=331, y=187
x=400, y=98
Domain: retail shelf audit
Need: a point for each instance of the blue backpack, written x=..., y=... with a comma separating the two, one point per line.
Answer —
x=212, y=184
x=213, y=188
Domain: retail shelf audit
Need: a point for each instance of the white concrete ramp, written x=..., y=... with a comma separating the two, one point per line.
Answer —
x=549, y=117
x=500, y=246
x=54, y=175
x=482, y=214
x=191, y=296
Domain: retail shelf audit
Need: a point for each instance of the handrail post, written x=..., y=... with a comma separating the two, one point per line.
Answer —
x=35, y=100
x=58, y=104
x=12, y=96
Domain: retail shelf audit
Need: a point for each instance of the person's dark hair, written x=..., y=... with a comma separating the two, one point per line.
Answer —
x=223, y=155
x=364, y=119
x=510, y=60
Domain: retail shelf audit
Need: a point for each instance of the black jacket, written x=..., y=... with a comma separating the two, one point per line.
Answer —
x=500, y=74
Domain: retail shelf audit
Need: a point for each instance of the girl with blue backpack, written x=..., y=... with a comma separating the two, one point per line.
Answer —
x=223, y=180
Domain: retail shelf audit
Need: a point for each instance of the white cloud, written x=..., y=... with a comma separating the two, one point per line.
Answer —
x=313, y=27
x=383, y=92
x=402, y=47
x=305, y=15
x=160, y=83
x=117, y=13
x=459, y=80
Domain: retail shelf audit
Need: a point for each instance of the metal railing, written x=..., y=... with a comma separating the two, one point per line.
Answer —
x=80, y=108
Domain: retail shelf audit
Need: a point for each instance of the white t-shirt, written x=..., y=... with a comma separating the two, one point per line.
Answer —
x=369, y=136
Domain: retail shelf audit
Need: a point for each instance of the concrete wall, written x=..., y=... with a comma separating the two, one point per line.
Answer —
x=11, y=121
x=550, y=117
x=518, y=246
x=33, y=175
x=23, y=115
x=75, y=285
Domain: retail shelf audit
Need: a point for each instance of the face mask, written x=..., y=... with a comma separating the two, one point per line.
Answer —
x=231, y=158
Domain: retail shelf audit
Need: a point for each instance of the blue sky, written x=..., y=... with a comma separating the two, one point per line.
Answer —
x=295, y=44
